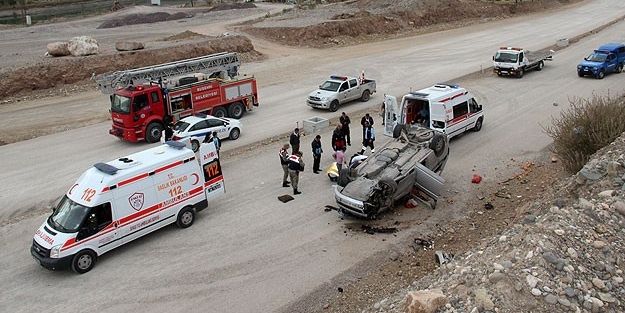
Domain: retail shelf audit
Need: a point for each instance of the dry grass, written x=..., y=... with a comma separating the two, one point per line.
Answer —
x=587, y=126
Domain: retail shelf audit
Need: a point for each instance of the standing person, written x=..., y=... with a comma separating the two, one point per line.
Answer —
x=217, y=142
x=366, y=119
x=383, y=112
x=368, y=137
x=316, y=151
x=294, y=141
x=284, y=161
x=169, y=131
x=345, y=121
x=296, y=165
x=208, y=138
x=339, y=157
x=338, y=138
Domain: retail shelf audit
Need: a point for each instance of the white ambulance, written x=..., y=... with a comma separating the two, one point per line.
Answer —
x=443, y=107
x=116, y=202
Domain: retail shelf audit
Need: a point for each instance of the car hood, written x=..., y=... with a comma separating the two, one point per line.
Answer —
x=590, y=63
x=360, y=189
x=322, y=93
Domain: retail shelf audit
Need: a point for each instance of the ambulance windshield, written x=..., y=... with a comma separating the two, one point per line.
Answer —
x=68, y=216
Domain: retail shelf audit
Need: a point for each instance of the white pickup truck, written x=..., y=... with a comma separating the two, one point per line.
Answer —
x=339, y=90
x=516, y=61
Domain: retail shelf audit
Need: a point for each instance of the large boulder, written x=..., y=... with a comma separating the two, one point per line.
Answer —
x=128, y=46
x=58, y=49
x=83, y=45
x=424, y=301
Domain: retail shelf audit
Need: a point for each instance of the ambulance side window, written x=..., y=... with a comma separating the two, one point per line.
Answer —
x=97, y=219
x=460, y=109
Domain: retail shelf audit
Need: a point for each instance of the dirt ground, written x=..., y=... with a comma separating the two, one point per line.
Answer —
x=353, y=22
x=490, y=208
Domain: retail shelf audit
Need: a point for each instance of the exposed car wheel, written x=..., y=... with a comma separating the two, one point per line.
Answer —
x=153, y=132
x=343, y=179
x=83, y=261
x=619, y=69
x=195, y=145
x=235, y=133
x=186, y=217
x=541, y=64
x=219, y=112
x=389, y=187
x=580, y=74
x=334, y=106
x=478, y=125
x=520, y=73
x=366, y=95
x=398, y=129
x=438, y=144
x=236, y=110
x=601, y=74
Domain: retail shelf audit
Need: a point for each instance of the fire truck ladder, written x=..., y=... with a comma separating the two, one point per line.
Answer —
x=209, y=64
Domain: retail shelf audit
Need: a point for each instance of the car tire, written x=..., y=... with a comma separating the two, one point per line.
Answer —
x=153, y=132
x=219, y=112
x=478, y=125
x=234, y=133
x=438, y=144
x=343, y=178
x=366, y=95
x=619, y=69
x=186, y=217
x=520, y=73
x=195, y=145
x=580, y=74
x=398, y=129
x=601, y=74
x=334, y=106
x=541, y=64
x=84, y=261
x=390, y=187
x=236, y=110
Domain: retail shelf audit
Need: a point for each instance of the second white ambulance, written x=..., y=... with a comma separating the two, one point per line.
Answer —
x=115, y=202
x=447, y=108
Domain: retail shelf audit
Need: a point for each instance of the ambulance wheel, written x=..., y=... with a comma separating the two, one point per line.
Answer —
x=234, y=134
x=334, y=106
x=195, y=145
x=478, y=125
x=83, y=261
x=236, y=110
x=186, y=217
x=219, y=112
x=541, y=64
x=438, y=144
x=153, y=132
x=366, y=95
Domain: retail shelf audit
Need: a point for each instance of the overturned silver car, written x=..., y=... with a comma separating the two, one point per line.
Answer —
x=413, y=159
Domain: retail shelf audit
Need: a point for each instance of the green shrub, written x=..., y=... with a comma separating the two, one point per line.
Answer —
x=587, y=126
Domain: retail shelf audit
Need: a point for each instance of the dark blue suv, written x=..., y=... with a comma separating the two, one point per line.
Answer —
x=608, y=58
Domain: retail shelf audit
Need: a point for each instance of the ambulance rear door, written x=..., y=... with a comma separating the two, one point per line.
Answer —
x=211, y=168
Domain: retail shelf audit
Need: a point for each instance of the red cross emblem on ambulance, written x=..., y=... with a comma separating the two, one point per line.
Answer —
x=136, y=200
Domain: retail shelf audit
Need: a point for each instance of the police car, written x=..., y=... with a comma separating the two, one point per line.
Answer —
x=196, y=127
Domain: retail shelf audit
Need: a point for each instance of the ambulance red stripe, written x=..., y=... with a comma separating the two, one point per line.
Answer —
x=132, y=179
x=166, y=167
x=214, y=180
x=144, y=175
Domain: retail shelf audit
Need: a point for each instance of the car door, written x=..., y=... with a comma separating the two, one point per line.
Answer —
x=343, y=92
x=611, y=62
x=353, y=92
x=459, y=122
x=219, y=126
x=199, y=129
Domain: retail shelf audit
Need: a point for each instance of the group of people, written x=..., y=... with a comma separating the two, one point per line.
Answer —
x=293, y=163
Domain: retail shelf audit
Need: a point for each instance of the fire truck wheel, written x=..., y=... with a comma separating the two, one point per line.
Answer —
x=219, y=112
x=235, y=133
x=334, y=106
x=186, y=217
x=153, y=132
x=83, y=261
x=195, y=145
x=236, y=110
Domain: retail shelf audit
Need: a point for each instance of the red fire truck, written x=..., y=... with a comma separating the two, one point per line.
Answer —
x=142, y=100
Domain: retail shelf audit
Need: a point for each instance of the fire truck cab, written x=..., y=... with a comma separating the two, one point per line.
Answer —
x=116, y=202
x=443, y=107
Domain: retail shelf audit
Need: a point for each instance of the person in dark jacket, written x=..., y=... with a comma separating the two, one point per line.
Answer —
x=296, y=165
x=284, y=161
x=368, y=137
x=345, y=121
x=366, y=119
x=169, y=131
x=338, y=138
x=316, y=151
x=294, y=141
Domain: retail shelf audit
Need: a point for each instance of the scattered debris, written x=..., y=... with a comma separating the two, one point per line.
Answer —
x=285, y=198
x=411, y=203
x=443, y=257
x=488, y=206
x=424, y=243
x=381, y=230
x=476, y=179
x=340, y=289
x=329, y=208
